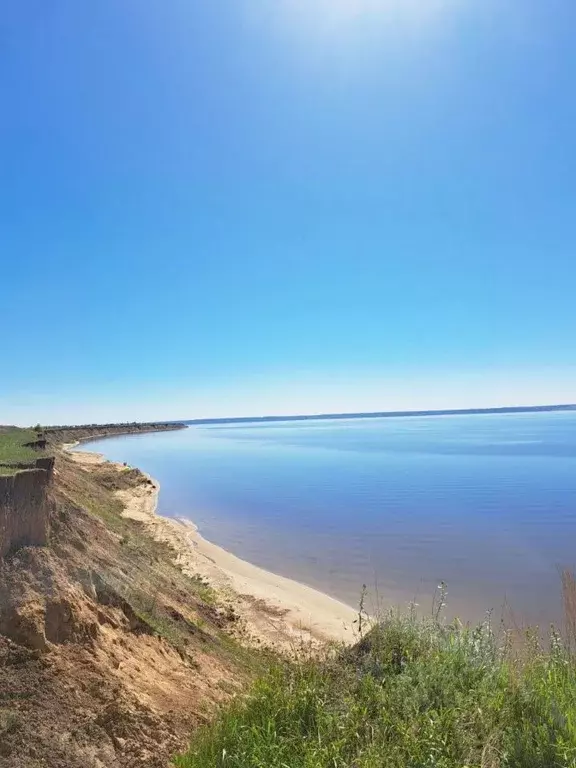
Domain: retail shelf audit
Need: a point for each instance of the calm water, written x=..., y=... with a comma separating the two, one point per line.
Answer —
x=485, y=503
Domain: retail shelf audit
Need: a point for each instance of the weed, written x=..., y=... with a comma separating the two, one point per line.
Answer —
x=413, y=693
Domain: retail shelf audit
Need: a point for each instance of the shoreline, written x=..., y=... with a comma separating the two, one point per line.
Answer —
x=274, y=610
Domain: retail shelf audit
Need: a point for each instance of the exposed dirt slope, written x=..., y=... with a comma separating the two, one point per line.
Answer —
x=109, y=654
x=24, y=509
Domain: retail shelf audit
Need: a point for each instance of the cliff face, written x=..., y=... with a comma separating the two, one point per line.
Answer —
x=24, y=510
x=59, y=435
x=109, y=654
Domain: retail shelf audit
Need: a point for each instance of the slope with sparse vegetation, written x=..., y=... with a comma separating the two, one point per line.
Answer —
x=109, y=654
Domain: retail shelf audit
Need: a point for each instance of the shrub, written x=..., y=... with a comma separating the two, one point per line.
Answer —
x=413, y=693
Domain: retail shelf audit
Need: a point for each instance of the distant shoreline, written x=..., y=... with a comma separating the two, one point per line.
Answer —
x=383, y=414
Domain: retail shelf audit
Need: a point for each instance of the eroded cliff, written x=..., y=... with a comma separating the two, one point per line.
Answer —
x=24, y=506
x=109, y=655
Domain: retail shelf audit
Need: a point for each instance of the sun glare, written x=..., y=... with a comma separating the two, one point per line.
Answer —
x=343, y=11
x=339, y=19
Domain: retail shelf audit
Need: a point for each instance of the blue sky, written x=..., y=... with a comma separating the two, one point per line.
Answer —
x=260, y=207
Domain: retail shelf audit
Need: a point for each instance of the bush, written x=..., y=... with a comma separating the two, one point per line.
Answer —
x=414, y=693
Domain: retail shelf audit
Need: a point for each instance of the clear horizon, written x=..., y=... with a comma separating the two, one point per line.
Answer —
x=319, y=414
x=309, y=207
x=401, y=503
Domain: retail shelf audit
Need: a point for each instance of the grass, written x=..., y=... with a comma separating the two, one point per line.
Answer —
x=202, y=589
x=13, y=449
x=161, y=625
x=413, y=693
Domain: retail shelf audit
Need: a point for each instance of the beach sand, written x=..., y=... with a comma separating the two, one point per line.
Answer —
x=273, y=610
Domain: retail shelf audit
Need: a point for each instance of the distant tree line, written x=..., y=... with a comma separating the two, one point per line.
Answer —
x=111, y=425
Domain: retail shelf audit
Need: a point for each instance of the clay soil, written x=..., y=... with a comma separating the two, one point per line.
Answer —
x=110, y=656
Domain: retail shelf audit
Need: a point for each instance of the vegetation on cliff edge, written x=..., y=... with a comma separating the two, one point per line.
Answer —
x=16, y=449
x=414, y=693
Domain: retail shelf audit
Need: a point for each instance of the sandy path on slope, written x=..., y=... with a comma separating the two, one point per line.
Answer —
x=274, y=609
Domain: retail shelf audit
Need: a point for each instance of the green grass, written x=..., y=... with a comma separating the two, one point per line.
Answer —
x=13, y=450
x=415, y=693
x=202, y=589
x=162, y=625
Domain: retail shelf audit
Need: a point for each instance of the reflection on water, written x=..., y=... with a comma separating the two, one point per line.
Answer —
x=486, y=503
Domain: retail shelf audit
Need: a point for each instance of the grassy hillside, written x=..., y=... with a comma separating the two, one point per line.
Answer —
x=413, y=694
x=14, y=450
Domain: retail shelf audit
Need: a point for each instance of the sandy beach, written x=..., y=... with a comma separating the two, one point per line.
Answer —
x=273, y=609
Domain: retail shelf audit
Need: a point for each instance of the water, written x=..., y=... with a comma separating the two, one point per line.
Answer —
x=486, y=503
